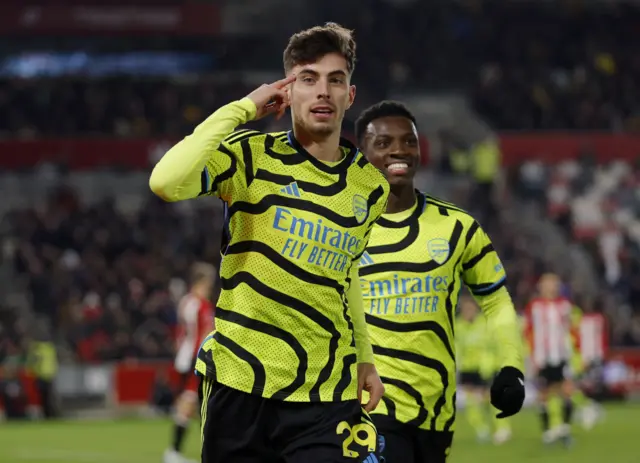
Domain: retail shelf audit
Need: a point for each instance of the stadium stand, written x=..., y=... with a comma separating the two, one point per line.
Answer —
x=100, y=264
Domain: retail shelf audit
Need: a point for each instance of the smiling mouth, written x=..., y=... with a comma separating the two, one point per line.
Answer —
x=398, y=168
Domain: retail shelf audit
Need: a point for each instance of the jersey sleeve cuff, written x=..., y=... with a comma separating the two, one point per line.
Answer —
x=249, y=106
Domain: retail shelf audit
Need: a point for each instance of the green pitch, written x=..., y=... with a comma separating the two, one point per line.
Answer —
x=614, y=440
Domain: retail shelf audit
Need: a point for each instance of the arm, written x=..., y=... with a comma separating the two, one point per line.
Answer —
x=179, y=174
x=484, y=274
x=356, y=308
x=503, y=326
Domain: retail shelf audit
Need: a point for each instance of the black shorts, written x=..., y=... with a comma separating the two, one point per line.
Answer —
x=472, y=379
x=244, y=428
x=550, y=375
x=404, y=443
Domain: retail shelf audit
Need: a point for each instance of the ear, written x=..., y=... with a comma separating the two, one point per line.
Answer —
x=352, y=95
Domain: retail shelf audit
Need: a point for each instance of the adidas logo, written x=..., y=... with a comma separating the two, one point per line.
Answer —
x=371, y=459
x=291, y=190
x=365, y=259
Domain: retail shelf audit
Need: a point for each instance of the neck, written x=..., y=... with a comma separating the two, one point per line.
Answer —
x=401, y=198
x=323, y=148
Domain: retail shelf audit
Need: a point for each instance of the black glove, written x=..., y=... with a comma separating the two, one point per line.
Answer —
x=507, y=392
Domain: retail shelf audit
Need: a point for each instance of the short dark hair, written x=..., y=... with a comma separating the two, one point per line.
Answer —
x=386, y=108
x=310, y=45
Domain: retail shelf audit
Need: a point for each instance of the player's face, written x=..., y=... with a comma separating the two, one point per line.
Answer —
x=321, y=94
x=549, y=286
x=391, y=144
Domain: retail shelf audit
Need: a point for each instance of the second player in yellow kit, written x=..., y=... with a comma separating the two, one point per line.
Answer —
x=420, y=253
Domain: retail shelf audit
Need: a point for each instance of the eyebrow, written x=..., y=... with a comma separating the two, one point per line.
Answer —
x=338, y=72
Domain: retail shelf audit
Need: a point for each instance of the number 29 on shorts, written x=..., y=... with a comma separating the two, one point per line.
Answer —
x=363, y=434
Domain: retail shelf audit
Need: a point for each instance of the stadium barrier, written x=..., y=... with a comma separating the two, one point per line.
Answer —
x=129, y=385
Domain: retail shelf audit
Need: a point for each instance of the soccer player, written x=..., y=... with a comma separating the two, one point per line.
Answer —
x=421, y=252
x=549, y=333
x=476, y=354
x=195, y=321
x=590, y=344
x=291, y=348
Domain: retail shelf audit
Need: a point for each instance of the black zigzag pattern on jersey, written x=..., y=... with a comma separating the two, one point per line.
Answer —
x=283, y=137
x=451, y=290
x=240, y=135
x=247, y=157
x=478, y=257
x=475, y=226
x=423, y=414
x=221, y=177
x=296, y=203
x=391, y=406
x=259, y=373
x=419, y=267
x=207, y=359
x=428, y=325
x=412, y=235
x=277, y=259
x=304, y=155
x=288, y=159
x=300, y=156
x=308, y=187
x=415, y=215
x=362, y=162
x=277, y=333
x=444, y=204
x=346, y=378
x=427, y=363
x=484, y=289
x=299, y=306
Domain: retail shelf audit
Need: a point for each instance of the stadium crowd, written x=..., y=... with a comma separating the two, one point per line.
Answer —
x=108, y=281
x=503, y=54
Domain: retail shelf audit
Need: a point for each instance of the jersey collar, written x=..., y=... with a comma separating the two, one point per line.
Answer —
x=417, y=212
x=346, y=145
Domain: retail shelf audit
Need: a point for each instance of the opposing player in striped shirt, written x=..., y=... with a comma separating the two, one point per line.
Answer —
x=548, y=330
x=421, y=252
x=590, y=339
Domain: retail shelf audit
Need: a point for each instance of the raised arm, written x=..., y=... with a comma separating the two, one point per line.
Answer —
x=199, y=164
x=197, y=158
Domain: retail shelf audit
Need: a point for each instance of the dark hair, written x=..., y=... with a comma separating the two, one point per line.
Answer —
x=310, y=45
x=387, y=108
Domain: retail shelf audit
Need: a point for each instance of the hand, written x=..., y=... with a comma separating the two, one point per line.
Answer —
x=507, y=392
x=369, y=380
x=271, y=98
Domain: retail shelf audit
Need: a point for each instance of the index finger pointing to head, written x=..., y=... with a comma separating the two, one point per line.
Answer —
x=284, y=82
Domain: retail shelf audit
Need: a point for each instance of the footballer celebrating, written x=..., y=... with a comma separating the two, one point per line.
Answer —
x=291, y=348
x=421, y=252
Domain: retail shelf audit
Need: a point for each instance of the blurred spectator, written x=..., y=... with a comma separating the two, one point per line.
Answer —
x=13, y=395
x=108, y=282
